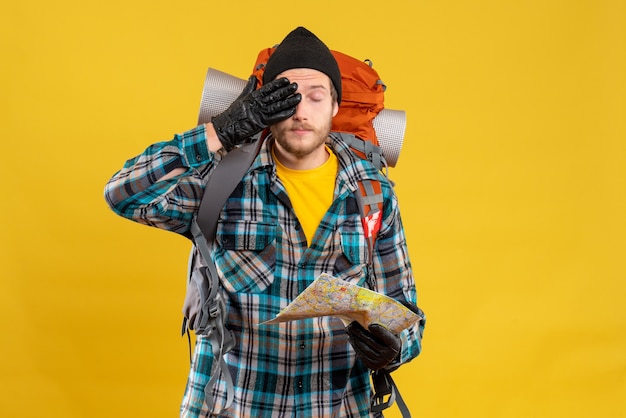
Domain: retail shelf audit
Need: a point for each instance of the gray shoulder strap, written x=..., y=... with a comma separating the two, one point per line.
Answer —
x=225, y=177
x=372, y=152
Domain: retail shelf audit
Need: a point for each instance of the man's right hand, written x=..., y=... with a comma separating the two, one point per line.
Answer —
x=254, y=110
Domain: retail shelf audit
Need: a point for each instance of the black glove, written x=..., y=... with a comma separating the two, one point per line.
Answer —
x=254, y=110
x=377, y=347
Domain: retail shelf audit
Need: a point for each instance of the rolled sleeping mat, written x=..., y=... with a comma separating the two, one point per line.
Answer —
x=221, y=89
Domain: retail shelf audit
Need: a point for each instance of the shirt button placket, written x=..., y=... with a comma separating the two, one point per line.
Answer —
x=299, y=383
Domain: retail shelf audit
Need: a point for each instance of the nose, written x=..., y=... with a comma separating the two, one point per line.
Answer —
x=300, y=113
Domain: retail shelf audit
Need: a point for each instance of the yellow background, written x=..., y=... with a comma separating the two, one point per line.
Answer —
x=512, y=183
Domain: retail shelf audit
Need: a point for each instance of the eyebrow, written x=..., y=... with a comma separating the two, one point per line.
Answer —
x=317, y=86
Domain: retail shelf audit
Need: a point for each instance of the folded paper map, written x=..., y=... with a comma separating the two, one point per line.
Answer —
x=328, y=295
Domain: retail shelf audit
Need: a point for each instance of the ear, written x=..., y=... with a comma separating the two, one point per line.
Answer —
x=335, y=108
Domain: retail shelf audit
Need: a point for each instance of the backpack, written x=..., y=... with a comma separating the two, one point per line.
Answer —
x=355, y=122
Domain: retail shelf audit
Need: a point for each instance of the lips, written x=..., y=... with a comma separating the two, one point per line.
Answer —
x=301, y=130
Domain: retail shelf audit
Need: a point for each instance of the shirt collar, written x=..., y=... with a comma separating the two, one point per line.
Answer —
x=352, y=168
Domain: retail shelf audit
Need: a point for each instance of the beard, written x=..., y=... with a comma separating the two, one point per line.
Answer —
x=297, y=145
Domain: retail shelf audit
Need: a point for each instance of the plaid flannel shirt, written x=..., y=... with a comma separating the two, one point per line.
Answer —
x=304, y=368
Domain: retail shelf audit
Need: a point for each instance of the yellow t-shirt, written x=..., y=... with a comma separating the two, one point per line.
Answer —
x=310, y=191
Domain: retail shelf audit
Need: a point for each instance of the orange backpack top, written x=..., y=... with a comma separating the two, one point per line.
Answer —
x=363, y=95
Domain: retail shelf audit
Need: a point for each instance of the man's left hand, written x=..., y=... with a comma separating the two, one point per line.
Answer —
x=377, y=347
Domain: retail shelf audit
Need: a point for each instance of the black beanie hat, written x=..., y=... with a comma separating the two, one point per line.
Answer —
x=302, y=49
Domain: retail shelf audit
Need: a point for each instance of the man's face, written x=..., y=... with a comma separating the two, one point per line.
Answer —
x=303, y=135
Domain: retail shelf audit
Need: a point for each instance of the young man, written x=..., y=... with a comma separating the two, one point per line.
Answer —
x=292, y=217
